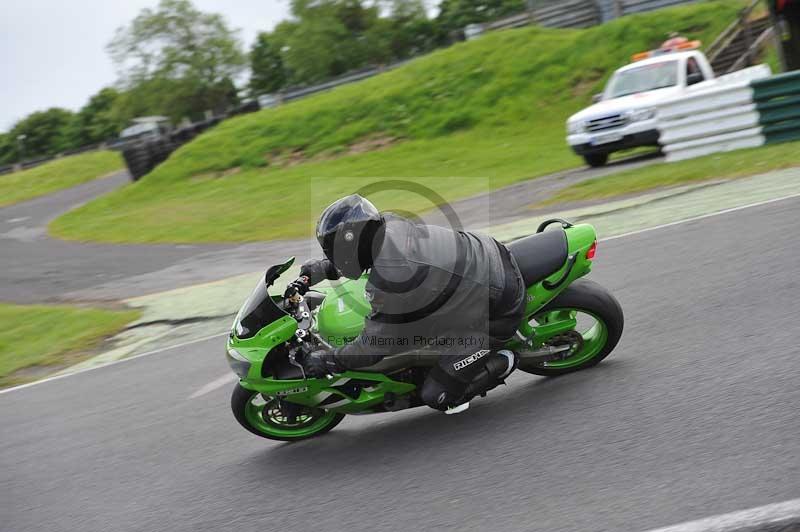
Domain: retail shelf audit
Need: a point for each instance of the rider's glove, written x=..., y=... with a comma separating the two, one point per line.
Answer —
x=321, y=363
x=298, y=286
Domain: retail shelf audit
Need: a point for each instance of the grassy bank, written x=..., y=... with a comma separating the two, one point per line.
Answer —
x=56, y=175
x=478, y=115
x=734, y=164
x=37, y=339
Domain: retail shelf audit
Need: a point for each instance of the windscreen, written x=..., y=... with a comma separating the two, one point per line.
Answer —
x=644, y=78
x=257, y=312
x=137, y=129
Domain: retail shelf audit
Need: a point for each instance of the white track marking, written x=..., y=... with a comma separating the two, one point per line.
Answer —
x=134, y=357
x=213, y=385
x=701, y=217
x=779, y=516
x=197, y=340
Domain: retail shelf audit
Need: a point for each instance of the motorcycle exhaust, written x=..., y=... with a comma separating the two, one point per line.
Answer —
x=544, y=354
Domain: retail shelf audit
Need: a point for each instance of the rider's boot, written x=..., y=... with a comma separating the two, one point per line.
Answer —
x=445, y=391
x=498, y=366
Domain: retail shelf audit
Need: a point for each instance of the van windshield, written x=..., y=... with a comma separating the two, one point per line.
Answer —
x=644, y=78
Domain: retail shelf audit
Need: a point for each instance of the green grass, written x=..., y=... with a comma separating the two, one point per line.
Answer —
x=475, y=116
x=740, y=163
x=56, y=175
x=33, y=337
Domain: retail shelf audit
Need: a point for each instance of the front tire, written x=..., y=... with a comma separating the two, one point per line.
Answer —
x=596, y=160
x=268, y=419
x=589, y=298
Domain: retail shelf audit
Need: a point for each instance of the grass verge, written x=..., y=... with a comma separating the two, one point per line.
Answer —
x=478, y=115
x=38, y=339
x=56, y=175
x=740, y=163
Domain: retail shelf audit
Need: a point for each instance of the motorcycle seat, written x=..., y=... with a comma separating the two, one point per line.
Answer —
x=540, y=255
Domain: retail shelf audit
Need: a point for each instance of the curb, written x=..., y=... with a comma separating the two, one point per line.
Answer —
x=779, y=517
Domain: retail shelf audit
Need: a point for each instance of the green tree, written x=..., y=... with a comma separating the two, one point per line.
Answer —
x=411, y=32
x=326, y=38
x=179, y=59
x=6, y=148
x=45, y=133
x=268, y=73
x=96, y=122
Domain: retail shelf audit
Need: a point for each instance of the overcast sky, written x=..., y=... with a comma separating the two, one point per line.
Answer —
x=52, y=52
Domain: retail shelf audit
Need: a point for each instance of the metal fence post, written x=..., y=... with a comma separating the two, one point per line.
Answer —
x=618, y=9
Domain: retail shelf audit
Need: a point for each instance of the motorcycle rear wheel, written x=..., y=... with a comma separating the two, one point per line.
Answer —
x=591, y=345
x=266, y=418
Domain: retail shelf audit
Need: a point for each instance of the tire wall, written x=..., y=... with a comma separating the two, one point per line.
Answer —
x=143, y=155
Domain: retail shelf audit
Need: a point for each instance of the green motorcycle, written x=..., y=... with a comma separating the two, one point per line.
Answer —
x=570, y=324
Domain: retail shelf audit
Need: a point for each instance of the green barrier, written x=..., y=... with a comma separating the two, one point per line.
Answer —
x=779, y=110
x=787, y=78
x=777, y=100
x=782, y=131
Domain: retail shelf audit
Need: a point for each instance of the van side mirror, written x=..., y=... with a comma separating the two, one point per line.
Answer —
x=597, y=97
x=694, y=77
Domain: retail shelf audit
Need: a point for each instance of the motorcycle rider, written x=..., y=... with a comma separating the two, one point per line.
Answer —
x=452, y=294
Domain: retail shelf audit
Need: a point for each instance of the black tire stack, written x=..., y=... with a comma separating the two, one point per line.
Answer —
x=137, y=159
x=142, y=155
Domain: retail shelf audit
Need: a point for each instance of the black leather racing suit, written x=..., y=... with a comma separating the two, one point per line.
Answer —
x=454, y=293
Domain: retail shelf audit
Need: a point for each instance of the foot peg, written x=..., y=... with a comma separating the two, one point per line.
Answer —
x=457, y=409
x=511, y=359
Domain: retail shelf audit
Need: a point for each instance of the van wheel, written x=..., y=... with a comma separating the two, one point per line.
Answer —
x=596, y=160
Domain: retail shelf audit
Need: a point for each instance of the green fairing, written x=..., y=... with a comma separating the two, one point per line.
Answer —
x=340, y=318
x=255, y=349
x=341, y=315
x=579, y=238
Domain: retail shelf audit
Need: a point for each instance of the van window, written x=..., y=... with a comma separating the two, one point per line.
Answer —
x=693, y=68
x=643, y=78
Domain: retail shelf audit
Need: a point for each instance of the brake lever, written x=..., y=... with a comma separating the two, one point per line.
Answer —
x=293, y=361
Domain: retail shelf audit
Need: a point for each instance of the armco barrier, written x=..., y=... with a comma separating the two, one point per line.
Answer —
x=571, y=14
x=574, y=14
x=630, y=7
x=712, y=117
x=777, y=100
x=514, y=21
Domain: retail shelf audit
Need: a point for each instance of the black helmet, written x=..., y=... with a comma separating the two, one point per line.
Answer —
x=346, y=231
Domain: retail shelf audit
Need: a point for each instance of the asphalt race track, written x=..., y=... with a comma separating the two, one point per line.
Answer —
x=695, y=414
x=36, y=268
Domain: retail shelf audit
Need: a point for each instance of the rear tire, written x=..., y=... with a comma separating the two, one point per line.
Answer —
x=596, y=160
x=591, y=298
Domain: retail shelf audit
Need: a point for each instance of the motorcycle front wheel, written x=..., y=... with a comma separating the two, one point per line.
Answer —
x=599, y=320
x=269, y=418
